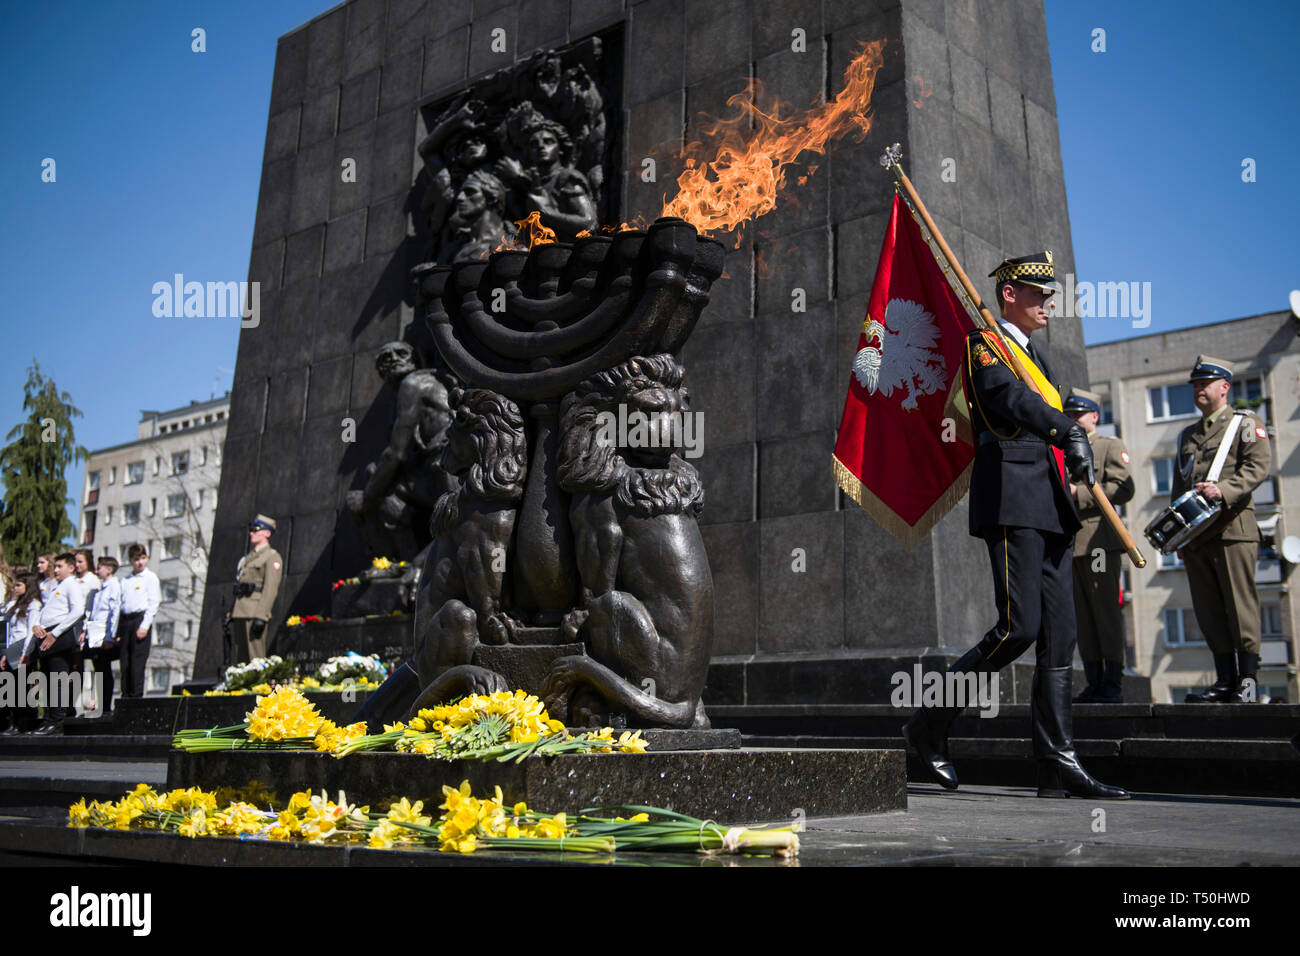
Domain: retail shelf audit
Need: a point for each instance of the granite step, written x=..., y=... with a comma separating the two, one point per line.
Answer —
x=134, y=747
x=52, y=783
x=1231, y=767
x=1096, y=721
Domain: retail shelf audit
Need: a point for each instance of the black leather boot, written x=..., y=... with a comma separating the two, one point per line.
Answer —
x=1225, y=684
x=1247, y=669
x=1092, y=670
x=1111, y=690
x=1059, y=771
x=927, y=731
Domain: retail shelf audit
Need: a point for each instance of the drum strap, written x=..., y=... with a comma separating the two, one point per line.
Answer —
x=1221, y=455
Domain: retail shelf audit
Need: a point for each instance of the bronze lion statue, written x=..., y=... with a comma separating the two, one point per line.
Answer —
x=459, y=602
x=646, y=607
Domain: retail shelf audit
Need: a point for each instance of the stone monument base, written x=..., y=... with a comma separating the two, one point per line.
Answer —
x=729, y=786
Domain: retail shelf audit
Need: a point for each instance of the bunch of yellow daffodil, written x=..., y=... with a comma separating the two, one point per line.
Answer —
x=282, y=718
x=467, y=824
x=504, y=725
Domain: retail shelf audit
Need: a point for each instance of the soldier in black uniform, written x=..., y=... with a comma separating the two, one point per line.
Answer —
x=1020, y=504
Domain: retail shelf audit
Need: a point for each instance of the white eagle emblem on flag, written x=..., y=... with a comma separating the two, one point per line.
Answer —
x=901, y=354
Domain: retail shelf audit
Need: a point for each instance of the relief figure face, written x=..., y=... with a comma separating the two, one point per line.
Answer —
x=543, y=148
x=473, y=151
x=470, y=202
x=395, y=361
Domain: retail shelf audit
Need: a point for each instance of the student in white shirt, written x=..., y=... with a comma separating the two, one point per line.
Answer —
x=45, y=571
x=86, y=572
x=21, y=614
x=65, y=606
x=141, y=596
x=105, y=608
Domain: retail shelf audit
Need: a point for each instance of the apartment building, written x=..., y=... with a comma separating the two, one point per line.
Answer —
x=1147, y=403
x=160, y=490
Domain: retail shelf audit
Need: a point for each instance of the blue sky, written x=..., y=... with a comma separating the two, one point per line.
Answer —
x=159, y=149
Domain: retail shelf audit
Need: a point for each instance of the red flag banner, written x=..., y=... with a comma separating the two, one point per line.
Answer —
x=904, y=449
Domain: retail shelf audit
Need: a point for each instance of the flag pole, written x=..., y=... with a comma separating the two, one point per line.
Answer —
x=891, y=160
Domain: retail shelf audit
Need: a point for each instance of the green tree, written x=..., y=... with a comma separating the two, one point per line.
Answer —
x=33, y=512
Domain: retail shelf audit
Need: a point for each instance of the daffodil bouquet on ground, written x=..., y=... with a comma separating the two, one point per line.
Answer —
x=504, y=726
x=282, y=719
x=467, y=824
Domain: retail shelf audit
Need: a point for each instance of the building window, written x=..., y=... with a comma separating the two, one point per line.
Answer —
x=180, y=463
x=203, y=454
x=112, y=475
x=220, y=415
x=189, y=630
x=1107, y=413
x=131, y=512
x=175, y=506
x=89, y=536
x=1247, y=394
x=123, y=554
x=163, y=633
x=170, y=588
x=1270, y=622
x=1170, y=562
x=198, y=501
x=172, y=546
x=1180, y=628
x=108, y=515
x=1163, y=474
x=160, y=678
x=135, y=473
x=153, y=507
x=1166, y=402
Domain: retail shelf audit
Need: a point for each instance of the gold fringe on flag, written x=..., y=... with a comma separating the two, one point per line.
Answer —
x=909, y=535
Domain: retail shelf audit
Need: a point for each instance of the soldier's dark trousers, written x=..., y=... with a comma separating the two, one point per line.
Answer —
x=1034, y=591
x=1097, y=609
x=247, y=647
x=135, y=653
x=1221, y=575
x=1033, y=588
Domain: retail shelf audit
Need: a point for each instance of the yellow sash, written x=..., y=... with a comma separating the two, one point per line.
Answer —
x=1050, y=395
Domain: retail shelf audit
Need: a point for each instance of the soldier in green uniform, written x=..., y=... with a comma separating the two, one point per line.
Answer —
x=1221, y=562
x=1098, y=558
x=257, y=581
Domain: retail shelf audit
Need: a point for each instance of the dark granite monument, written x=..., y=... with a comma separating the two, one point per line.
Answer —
x=398, y=136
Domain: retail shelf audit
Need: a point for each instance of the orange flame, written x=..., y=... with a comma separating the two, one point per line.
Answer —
x=747, y=169
x=535, y=232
